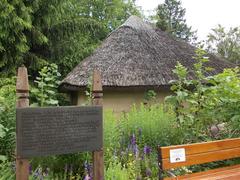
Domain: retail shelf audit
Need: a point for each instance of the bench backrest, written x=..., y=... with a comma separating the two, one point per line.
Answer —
x=198, y=153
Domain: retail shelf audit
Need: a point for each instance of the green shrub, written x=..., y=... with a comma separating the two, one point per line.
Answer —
x=206, y=101
x=7, y=116
x=153, y=124
x=131, y=141
x=116, y=171
x=7, y=171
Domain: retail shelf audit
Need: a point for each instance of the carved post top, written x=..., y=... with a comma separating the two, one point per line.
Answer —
x=22, y=80
x=97, y=82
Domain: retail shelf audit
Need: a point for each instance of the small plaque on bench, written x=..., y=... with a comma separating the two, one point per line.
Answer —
x=177, y=155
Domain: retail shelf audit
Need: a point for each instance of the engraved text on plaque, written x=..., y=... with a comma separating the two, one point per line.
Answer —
x=58, y=130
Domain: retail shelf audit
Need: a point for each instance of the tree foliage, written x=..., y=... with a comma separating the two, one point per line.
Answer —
x=206, y=101
x=225, y=43
x=23, y=25
x=15, y=18
x=111, y=13
x=59, y=31
x=82, y=26
x=170, y=18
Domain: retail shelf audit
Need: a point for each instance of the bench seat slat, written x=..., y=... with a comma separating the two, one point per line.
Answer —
x=198, y=148
x=202, y=158
x=230, y=172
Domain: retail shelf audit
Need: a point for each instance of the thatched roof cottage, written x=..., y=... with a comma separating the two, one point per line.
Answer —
x=134, y=58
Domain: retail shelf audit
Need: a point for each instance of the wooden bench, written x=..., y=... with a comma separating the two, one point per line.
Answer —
x=199, y=153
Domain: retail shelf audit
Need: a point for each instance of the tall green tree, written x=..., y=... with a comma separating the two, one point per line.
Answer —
x=15, y=19
x=59, y=31
x=22, y=32
x=225, y=43
x=82, y=26
x=170, y=18
x=112, y=13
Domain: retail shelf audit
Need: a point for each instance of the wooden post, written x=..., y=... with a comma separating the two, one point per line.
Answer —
x=22, y=90
x=97, y=92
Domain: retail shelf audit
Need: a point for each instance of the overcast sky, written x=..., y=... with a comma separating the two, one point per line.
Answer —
x=203, y=15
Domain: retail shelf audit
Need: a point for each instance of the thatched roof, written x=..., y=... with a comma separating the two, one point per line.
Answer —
x=137, y=54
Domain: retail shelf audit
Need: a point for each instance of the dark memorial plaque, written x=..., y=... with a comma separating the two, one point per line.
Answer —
x=58, y=130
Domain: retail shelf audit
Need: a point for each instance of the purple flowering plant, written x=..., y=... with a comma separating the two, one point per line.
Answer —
x=136, y=155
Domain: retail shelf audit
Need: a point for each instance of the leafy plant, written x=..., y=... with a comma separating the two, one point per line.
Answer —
x=203, y=101
x=88, y=92
x=7, y=116
x=7, y=171
x=117, y=172
x=7, y=127
x=150, y=95
x=47, y=83
x=224, y=101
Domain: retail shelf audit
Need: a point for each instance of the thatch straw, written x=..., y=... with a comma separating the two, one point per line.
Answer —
x=137, y=54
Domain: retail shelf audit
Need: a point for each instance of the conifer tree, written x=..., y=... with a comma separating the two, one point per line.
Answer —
x=22, y=33
x=64, y=32
x=170, y=18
